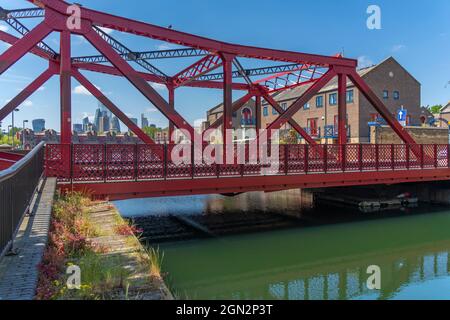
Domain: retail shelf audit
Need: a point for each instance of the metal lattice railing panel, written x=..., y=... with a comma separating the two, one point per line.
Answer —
x=88, y=162
x=121, y=162
x=56, y=165
x=149, y=164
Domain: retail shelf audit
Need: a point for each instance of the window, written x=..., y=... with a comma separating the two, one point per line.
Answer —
x=319, y=102
x=284, y=106
x=312, y=126
x=396, y=95
x=274, y=112
x=333, y=99
x=266, y=112
x=385, y=94
x=350, y=96
x=234, y=114
x=306, y=106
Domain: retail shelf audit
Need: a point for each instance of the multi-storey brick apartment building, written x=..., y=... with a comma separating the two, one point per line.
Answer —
x=393, y=84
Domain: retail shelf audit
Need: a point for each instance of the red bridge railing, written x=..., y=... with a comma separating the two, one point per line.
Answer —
x=112, y=162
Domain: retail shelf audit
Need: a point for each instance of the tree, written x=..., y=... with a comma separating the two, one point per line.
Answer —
x=436, y=109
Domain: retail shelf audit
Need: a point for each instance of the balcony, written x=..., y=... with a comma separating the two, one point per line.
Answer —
x=331, y=132
x=314, y=133
x=248, y=122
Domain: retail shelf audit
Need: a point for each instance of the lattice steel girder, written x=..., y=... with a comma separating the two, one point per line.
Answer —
x=152, y=78
x=21, y=13
x=140, y=83
x=22, y=46
x=294, y=108
x=196, y=70
x=254, y=72
x=122, y=49
x=148, y=55
x=27, y=92
x=23, y=30
x=189, y=40
x=111, y=106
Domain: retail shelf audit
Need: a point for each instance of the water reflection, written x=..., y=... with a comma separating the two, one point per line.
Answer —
x=291, y=202
x=326, y=262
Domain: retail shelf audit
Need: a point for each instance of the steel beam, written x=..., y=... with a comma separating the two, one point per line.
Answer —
x=147, y=55
x=111, y=106
x=380, y=107
x=26, y=93
x=342, y=109
x=196, y=70
x=122, y=49
x=99, y=68
x=227, y=61
x=65, y=89
x=139, y=82
x=171, y=90
x=22, y=46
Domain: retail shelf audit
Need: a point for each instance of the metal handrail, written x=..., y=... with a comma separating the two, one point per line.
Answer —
x=14, y=169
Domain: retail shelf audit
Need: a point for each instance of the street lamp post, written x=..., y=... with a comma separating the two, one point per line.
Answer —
x=23, y=134
x=12, y=130
x=8, y=132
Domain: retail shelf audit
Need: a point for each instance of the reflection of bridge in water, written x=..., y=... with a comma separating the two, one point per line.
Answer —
x=313, y=263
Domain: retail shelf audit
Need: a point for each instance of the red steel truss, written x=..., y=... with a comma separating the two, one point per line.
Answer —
x=311, y=70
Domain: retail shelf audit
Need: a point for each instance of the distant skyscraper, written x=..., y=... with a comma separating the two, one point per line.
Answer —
x=144, y=121
x=78, y=128
x=115, y=125
x=39, y=125
x=86, y=124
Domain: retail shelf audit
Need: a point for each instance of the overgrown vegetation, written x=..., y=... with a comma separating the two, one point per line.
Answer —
x=104, y=275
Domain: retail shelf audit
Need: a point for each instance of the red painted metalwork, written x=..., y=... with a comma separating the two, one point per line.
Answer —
x=340, y=164
x=205, y=65
x=298, y=166
x=342, y=109
x=65, y=89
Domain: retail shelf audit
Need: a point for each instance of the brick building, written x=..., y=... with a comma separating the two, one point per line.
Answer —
x=393, y=84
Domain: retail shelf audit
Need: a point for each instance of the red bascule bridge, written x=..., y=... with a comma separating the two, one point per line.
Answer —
x=146, y=169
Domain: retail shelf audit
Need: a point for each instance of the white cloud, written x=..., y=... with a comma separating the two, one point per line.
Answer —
x=165, y=46
x=41, y=89
x=4, y=28
x=158, y=86
x=151, y=110
x=364, y=62
x=27, y=103
x=398, y=47
x=198, y=123
x=106, y=30
x=82, y=90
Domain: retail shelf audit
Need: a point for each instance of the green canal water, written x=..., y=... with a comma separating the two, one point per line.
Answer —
x=324, y=260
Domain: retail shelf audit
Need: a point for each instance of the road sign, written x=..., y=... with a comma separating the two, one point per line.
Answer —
x=402, y=116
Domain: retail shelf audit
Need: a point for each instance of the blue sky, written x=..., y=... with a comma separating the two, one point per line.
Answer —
x=416, y=33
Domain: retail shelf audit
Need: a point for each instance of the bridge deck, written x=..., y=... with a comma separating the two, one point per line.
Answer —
x=127, y=171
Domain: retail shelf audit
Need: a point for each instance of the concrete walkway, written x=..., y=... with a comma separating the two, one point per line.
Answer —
x=19, y=273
